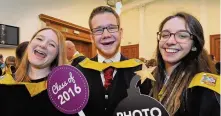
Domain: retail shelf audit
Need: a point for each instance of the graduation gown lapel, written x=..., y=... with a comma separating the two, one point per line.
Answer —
x=96, y=103
x=116, y=92
x=96, y=78
x=119, y=86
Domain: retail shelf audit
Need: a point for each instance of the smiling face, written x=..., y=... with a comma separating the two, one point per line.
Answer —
x=107, y=43
x=43, y=49
x=172, y=52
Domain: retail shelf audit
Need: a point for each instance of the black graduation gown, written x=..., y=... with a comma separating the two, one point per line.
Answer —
x=15, y=100
x=77, y=60
x=199, y=101
x=97, y=104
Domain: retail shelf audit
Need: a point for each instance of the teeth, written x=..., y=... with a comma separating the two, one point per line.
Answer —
x=171, y=50
x=40, y=52
x=107, y=43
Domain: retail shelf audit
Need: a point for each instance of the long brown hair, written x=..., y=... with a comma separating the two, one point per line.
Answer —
x=22, y=71
x=193, y=63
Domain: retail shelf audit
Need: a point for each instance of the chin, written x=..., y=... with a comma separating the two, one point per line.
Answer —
x=39, y=64
x=109, y=54
x=113, y=52
x=171, y=61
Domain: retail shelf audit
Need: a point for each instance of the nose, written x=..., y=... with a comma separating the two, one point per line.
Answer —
x=43, y=44
x=171, y=39
x=106, y=34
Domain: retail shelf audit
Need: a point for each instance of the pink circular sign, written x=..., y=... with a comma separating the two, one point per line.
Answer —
x=68, y=89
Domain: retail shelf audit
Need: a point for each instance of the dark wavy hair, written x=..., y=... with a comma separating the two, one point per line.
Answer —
x=194, y=62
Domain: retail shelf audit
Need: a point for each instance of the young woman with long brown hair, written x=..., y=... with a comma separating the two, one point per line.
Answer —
x=180, y=56
x=44, y=52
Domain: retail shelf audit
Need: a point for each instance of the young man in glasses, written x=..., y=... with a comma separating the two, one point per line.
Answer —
x=108, y=86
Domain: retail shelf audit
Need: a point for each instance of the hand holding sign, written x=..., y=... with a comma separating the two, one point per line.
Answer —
x=68, y=89
x=137, y=104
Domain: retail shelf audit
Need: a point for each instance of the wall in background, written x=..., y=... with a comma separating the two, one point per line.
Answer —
x=141, y=24
x=24, y=14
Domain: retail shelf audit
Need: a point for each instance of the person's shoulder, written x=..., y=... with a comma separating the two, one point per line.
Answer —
x=7, y=79
x=87, y=65
x=77, y=60
x=138, y=63
x=81, y=58
x=122, y=57
x=201, y=100
x=206, y=80
x=206, y=88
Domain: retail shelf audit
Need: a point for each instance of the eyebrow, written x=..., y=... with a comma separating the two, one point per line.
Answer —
x=49, y=40
x=53, y=42
x=176, y=31
x=106, y=26
x=40, y=36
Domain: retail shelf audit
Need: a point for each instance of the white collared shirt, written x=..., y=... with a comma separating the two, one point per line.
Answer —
x=115, y=58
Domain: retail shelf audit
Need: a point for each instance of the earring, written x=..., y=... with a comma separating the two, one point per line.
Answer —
x=194, y=49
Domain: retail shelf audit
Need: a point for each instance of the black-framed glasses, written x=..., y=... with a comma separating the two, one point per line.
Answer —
x=180, y=36
x=110, y=29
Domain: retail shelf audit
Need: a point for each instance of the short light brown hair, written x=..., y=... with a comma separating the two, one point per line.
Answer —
x=101, y=10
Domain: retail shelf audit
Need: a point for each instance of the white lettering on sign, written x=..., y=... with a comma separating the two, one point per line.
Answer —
x=56, y=87
x=68, y=92
x=143, y=112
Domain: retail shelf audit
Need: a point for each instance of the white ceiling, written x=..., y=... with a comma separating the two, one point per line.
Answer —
x=129, y=4
x=12, y=10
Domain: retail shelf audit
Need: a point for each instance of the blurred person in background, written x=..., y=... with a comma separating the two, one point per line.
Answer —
x=20, y=51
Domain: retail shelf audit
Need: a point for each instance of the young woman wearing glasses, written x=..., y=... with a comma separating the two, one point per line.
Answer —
x=180, y=57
